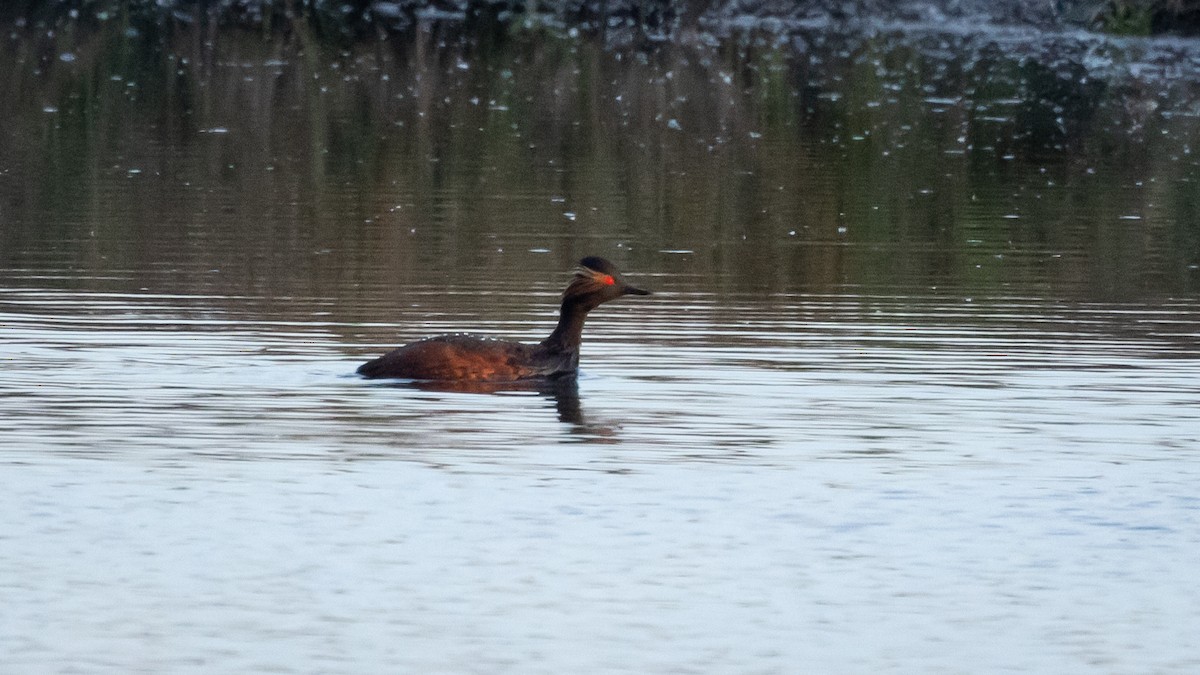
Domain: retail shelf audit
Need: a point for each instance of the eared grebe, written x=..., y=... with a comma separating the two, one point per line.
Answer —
x=459, y=358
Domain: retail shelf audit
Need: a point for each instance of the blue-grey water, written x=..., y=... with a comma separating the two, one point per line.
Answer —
x=918, y=390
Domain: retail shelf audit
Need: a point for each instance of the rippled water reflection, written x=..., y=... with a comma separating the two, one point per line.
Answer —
x=901, y=401
x=938, y=481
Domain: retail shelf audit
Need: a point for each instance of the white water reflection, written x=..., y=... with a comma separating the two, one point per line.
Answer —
x=912, y=486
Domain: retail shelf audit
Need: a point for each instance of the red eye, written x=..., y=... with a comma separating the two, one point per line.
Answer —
x=607, y=280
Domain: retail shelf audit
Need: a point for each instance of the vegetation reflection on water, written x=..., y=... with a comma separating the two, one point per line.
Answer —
x=886, y=163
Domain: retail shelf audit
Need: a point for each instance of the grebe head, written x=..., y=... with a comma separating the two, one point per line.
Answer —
x=596, y=281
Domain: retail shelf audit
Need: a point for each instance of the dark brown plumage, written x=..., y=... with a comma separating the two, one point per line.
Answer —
x=460, y=357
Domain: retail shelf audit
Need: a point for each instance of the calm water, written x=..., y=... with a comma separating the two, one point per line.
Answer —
x=919, y=388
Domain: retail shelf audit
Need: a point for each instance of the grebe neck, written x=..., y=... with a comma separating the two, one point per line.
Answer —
x=568, y=334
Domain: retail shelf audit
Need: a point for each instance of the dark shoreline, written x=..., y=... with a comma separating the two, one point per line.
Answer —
x=627, y=21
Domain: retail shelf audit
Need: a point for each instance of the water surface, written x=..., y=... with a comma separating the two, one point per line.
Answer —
x=917, y=390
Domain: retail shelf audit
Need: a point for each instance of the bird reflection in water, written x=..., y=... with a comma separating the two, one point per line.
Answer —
x=564, y=391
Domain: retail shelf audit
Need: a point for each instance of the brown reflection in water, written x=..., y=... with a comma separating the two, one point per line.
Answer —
x=564, y=391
